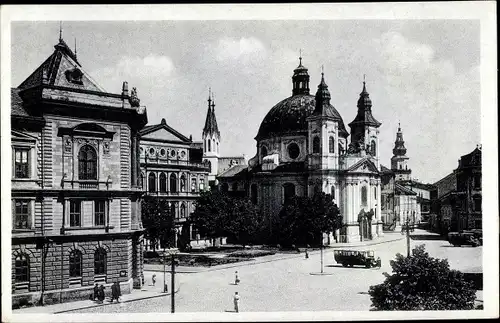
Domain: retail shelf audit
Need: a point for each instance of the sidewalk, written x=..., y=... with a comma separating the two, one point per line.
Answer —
x=386, y=238
x=78, y=305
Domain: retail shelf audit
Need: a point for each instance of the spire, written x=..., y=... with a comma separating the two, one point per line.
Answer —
x=75, y=47
x=364, y=115
x=300, y=79
x=211, y=127
x=399, y=144
x=60, y=31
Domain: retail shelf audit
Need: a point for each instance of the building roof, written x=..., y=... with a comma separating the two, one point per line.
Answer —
x=163, y=125
x=472, y=159
x=290, y=115
x=17, y=108
x=234, y=171
x=384, y=169
x=401, y=189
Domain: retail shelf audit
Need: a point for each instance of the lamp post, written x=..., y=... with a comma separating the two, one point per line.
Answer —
x=408, y=234
x=172, y=252
x=321, y=251
x=164, y=270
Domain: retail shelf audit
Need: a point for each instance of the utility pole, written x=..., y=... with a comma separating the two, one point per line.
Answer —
x=408, y=235
x=173, y=283
x=164, y=271
x=321, y=251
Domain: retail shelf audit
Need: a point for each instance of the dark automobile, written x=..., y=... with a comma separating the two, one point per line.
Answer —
x=478, y=234
x=349, y=258
x=463, y=238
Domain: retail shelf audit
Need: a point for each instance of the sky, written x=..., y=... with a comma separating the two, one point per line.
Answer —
x=421, y=73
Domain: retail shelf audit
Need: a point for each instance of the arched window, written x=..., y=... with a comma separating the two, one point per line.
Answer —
x=22, y=268
x=152, y=182
x=75, y=264
x=143, y=180
x=163, y=182
x=202, y=184
x=213, y=142
x=235, y=186
x=224, y=187
x=183, y=183
x=172, y=209
x=253, y=193
x=263, y=151
x=316, y=145
x=288, y=191
x=100, y=261
x=375, y=192
x=209, y=146
x=332, y=192
x=204, y=145
x=87, y=163
x=364, y=196
x=331, y=145
x=217, y=147
x=373, y=148
x=193, y=184
x=173, y=183
x=183, y=210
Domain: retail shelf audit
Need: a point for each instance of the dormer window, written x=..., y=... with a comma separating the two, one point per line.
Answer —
x=74, y=76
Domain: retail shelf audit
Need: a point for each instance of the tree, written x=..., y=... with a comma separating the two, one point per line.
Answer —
x=157, y=220
x=244, y=221
x=420, y=282
x=304, y=219
x=211, y=214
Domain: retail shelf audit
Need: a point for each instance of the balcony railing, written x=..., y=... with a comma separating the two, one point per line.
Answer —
x=176, y=162
x=86, y=184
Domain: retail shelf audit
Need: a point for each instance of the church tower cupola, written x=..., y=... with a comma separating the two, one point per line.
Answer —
x=399, y=144
x=364, y=119
x=322, y=96
x=300, y=79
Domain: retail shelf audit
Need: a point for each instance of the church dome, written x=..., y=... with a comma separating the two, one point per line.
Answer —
x=290, y=117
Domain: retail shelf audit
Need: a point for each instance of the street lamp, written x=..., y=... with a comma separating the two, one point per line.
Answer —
x=172, y=252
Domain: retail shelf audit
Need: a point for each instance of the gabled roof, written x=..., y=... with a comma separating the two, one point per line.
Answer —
x=235, y=171
x=365, y=163
x=401, y=189
x=163, y=125
x=61, y=69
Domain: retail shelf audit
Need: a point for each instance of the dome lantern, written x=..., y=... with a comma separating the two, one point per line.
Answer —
x=300, y=79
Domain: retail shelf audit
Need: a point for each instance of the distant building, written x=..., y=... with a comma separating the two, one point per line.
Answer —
x=172, y=169
x=302, y=148
x=403, y=197
x=457, y=198
x=76, y=217
x=211, y=139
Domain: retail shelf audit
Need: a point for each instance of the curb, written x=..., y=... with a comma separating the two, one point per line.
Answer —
x=101, y=305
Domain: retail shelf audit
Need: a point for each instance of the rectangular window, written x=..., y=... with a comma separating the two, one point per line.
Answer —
x=75, y=213
x=477, y=181
x=477, y=204
x=100, y=213
x=21, y=214
x=21, y=164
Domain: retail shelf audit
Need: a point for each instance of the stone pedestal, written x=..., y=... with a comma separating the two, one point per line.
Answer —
x=352, y=232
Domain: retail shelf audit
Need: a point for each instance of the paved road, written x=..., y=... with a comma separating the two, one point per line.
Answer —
x=287, y=285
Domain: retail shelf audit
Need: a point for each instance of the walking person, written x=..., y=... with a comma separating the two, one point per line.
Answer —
x=113, y=292
x=236, y=278
x=236, y=302
x=154, y=279
x=101, y=293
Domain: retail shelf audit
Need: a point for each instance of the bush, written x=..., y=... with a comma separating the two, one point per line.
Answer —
x=251, y=253
x=420, y=282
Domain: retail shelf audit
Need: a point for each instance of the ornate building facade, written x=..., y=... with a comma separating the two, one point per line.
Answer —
x=75, y=189
x=172, y=168
x=303, y=148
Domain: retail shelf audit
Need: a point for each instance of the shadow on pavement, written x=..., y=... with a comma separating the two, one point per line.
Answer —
x=426, y=237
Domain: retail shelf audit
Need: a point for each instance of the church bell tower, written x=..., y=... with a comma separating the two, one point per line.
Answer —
x=211, y=139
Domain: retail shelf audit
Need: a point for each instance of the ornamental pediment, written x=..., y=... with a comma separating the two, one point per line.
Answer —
x=364, y=166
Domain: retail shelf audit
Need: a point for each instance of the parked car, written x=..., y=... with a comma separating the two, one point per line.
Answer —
x=478, y=234
x=463, y=238
x=349, y=258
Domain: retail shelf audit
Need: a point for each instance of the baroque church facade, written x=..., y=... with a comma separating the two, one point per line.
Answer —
x=76, y=216
x=303, y=147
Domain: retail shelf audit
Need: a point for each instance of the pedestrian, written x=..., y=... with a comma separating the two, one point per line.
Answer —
x=96, y=292
x=307, y=254
x=113, y=292
x=236, y=302
x=101, y=293
x=154, y=279
x=236, y=278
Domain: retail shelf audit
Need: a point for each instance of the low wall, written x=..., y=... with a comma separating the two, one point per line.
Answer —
x=66, y=295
